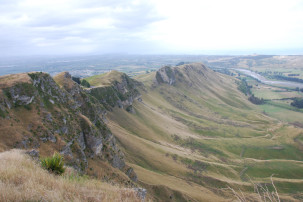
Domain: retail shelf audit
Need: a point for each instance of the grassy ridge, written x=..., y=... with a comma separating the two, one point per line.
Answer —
x=203, y=131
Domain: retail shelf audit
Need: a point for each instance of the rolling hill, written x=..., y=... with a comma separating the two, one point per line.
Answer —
x=184, y=133
x=194, y=134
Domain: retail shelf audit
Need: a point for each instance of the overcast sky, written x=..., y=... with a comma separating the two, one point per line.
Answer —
x=59, y=27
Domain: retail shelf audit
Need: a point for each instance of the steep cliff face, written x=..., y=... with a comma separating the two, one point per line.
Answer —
x=46, y=114
x=165, y=74
x=192, y=75
x=115, y=89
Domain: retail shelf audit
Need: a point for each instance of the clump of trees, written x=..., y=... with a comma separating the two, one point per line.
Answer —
x=225, y=71
x=244, y=87
x=256, y=100
x=180, y=63
x=85, y=83
x=293, y=74
x=76, y=79
x=293, y=79
x=280, y=76
x=298, y=102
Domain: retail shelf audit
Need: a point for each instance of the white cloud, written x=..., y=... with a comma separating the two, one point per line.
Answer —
x=233, y=24
x=148, y=26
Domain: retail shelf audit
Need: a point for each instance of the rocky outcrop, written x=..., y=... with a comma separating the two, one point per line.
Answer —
x=66, y=118
x=189, y=74
x=121, y=92
x=141, y=193
x=165, y=74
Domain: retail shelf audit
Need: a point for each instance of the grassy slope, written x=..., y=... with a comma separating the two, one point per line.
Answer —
x=105, y=79
x=200, y=138
x=22, y=179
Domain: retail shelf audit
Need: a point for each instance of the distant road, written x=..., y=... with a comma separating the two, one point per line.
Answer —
x=262, y=79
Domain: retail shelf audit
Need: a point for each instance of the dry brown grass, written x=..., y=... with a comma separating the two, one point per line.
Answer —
x=62, y=81
x=105, y=79
x=10, y=80
x=262, y=193
x=21, y=179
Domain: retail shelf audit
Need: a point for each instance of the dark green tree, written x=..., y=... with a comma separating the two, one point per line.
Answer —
x=85, y=83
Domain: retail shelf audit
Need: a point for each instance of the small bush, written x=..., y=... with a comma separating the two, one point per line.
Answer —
x=85, y=83
x=54, y=164
x=76, y=79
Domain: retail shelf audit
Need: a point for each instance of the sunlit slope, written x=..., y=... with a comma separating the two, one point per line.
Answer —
x=105, y=79
x=196, y=134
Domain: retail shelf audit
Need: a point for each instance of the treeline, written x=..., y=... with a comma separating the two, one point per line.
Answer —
x=246, y=89
x=293, y=74
x=280, y=76
x=256, y=100
x=225, y=71
x=286, y=78
x=298, y=102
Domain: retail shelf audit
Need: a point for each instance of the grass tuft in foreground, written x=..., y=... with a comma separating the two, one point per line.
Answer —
x=54, y=164
x=262, y=191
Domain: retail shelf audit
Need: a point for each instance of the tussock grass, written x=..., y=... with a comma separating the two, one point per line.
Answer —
x=54, y=164
x=22, y=179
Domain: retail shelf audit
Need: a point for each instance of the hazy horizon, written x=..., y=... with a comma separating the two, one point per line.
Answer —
x=218, y=27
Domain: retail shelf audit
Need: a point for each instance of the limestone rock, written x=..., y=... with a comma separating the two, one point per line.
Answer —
x=165, y=75
x=141, y=193
x=33, y=153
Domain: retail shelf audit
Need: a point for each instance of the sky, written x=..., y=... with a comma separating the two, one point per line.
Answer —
x=67, y=27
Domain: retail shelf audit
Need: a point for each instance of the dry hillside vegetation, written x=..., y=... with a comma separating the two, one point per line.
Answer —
x=7, y=81
x=22, y=179
x=105, y=79
x=195, y=134
x=36, y=112
x=187, y=134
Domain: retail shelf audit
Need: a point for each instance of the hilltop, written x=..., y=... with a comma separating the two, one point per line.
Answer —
x=114, y=89
x=106, y=79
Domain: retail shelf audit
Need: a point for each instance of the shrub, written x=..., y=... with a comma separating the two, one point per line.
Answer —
x=85, y=83
x=54, y=164
x=76, y=79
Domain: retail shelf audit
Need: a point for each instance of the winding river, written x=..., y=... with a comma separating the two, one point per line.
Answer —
x=264, y=80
